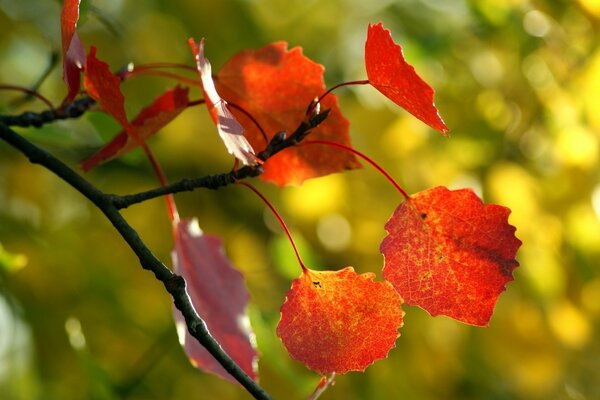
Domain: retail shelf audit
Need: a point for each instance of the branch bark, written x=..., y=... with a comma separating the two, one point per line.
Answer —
x=174, y=284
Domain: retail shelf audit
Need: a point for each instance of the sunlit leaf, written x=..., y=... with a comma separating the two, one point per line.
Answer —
x=389, y=73
x=275, y=85
x=339, y=321
x=450, y=254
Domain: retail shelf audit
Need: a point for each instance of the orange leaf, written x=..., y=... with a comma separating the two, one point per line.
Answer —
x=450, y=254
x=219, y=296
x=339, y=321
x=389, y=73
x=149, y=121
x=230, y=130
x=72, y=50
x=103, y=86
x=276, y=85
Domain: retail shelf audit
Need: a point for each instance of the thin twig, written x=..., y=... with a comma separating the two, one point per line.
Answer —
x=278, y=143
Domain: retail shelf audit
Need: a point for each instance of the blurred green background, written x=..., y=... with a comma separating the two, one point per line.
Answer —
x=516, y=81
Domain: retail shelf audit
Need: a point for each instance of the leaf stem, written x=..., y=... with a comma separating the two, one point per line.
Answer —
x=339, y=85
x=324, y=383
x=29, y=92
x=254, y=121
x=364, y=157
x=318, y=100
x=279, y=218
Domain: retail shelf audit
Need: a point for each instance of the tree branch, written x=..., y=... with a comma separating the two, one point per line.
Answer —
x=173, y=283
x=74, y=109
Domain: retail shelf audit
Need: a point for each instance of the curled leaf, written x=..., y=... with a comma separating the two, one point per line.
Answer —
x=339, y=321
x=219, y=296
x=230, y=130
x=72, y=50
x=389, y=73
x=450, y=254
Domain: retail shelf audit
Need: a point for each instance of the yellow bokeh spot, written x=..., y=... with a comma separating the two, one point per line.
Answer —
x=316, y=197
x=494, y=108
x=247, y=252
x=542, y=270
x=469, y=153
x=497, y=12
x=591, y=6
x=590, y=86
x=577, y=146
x=537, y=375
x=527, y=319
x=583, y=227
x=569, y=324
x=367, y=235
x=403, y=136
x=513, y=187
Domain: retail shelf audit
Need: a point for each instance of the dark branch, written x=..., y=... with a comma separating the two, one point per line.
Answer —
x=187, y=185
x=173, y=283
x=31, y=119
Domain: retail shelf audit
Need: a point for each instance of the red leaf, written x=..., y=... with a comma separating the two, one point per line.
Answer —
x=103, y=86
x=218, y=294
x=339, y=321
x=72, y=49
x=149, y=121
x=450, y=254
x=275, y=86
x=389, y=73
x=230, y=130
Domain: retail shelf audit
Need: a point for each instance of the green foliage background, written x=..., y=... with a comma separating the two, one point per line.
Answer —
x=516, y=81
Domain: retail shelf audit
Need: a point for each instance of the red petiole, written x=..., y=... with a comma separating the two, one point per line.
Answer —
x=279, y=218
x=364, y=157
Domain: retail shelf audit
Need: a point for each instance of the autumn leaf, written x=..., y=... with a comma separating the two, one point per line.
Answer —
x=218, y=294
x=104, y=87
x=149, y=121
x=72, y=50
x=389, y=73
x=230, y=130
x=450, y=254
x=275, y=85
x=339, y=321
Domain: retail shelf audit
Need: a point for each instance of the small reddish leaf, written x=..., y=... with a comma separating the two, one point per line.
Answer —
x=219, y=296
x=276, y=85
x=103, y=86
x=339, y=321
x=230, y=130
x=389, y=73
x=72, y=50
x=149, y=121
x=450, y=254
